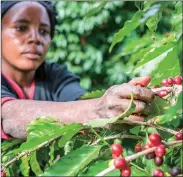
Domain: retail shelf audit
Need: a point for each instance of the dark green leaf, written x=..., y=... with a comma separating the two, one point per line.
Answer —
x=35, y=167
x=73, y=162
x=128, y=27
x=93, y=94
x=135, y=130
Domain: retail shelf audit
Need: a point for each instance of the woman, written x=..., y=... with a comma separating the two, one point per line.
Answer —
x=32, y=88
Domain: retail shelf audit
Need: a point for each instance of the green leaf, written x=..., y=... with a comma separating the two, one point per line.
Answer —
x=152, y=22
x=154, y=53
x=135, y=130
x=172, y=112
x=93, y=94
x=73, y=162
x=68, y=135
x=24, y=166
x=34, y=164
x=95, y=10
x=177, y=17
x=138, y=172
x=40, y=131
x=166, y=67
x=51, y=153
x=5, y=145
x=97, y=167
x=129, y=26
x=102, y=122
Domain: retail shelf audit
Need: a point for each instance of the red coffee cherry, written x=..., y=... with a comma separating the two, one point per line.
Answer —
x=178, y=80
x=146, y=146
x=179, y=136
x=126, y=172
x=164, y=83
x=116, y=150
x=3, y=174
x=150, y=155
x=158, y=161
x=170, y=81
x=160, y=150
x=158, y=172
x=155, y=139
x=120, y=162
x=162, y=93
x=138, y=147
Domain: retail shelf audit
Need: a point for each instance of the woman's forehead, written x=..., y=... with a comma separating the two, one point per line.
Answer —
x=27, y=9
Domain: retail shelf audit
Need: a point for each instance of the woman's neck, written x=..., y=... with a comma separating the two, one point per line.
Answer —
x=22, y=78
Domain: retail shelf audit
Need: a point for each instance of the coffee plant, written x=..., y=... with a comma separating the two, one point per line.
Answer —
x=150, y=148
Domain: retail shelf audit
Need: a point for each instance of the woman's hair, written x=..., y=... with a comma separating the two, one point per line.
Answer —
x=50, y=8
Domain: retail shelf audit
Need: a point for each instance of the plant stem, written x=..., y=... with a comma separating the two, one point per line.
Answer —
x=101, y=138
x=135, y=156
x=121, y=136
x=27, y=152
x=129, y=121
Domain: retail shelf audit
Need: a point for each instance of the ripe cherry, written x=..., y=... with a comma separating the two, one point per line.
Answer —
x=155, y=139
x=162, y=93
x=160, y=150
x=126, y=172
x=3, y=174
x=150, y=155
x=158, y=161
x=179, y=136
x=170, y=81
x=116, y=150
x=164, y=82
x=146, y=146
x=178, y=80
x=158, y=172
x=120, y=162
x=138, y=147
x=175, y=171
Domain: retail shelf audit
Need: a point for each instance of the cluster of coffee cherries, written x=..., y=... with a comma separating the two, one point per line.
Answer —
x=160, y=151
x=168, y=83
x=118, y=161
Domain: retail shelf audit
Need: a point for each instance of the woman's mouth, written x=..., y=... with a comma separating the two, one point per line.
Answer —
x=33, y=56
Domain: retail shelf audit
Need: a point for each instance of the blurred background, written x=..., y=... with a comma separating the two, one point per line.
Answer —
x=83, y=43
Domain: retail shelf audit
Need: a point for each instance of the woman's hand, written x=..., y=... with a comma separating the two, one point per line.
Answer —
x=117, y=98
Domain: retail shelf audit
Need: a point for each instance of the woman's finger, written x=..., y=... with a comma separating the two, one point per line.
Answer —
x=140, y=81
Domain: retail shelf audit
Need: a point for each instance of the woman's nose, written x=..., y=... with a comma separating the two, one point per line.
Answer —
x=34, y=36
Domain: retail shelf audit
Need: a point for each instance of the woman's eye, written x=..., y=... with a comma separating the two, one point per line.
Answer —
x=21, y=28
x=44, y=32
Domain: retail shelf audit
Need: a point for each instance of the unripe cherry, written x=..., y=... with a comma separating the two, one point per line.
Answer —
x=160, y=150
x=178, y=80
x=120, y=162
x=162, y=93
x=179, y=136
x=158, y=172
x=116, y=150
x=158, y=161
x=170, y=81
x=138, y=147
x=126, y=172
x=164, y=82
x=155, y=139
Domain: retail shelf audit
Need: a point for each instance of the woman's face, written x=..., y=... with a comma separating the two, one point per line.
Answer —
x=25, y=36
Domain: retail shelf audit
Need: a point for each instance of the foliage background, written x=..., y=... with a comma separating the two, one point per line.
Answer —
x=83, y=43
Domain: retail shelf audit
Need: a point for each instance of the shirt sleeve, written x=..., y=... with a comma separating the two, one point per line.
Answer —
x=65, y=85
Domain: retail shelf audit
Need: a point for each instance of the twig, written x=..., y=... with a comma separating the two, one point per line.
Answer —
x=27, y=152
x=121, y=136
x=132, y=122
x=135, y=156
